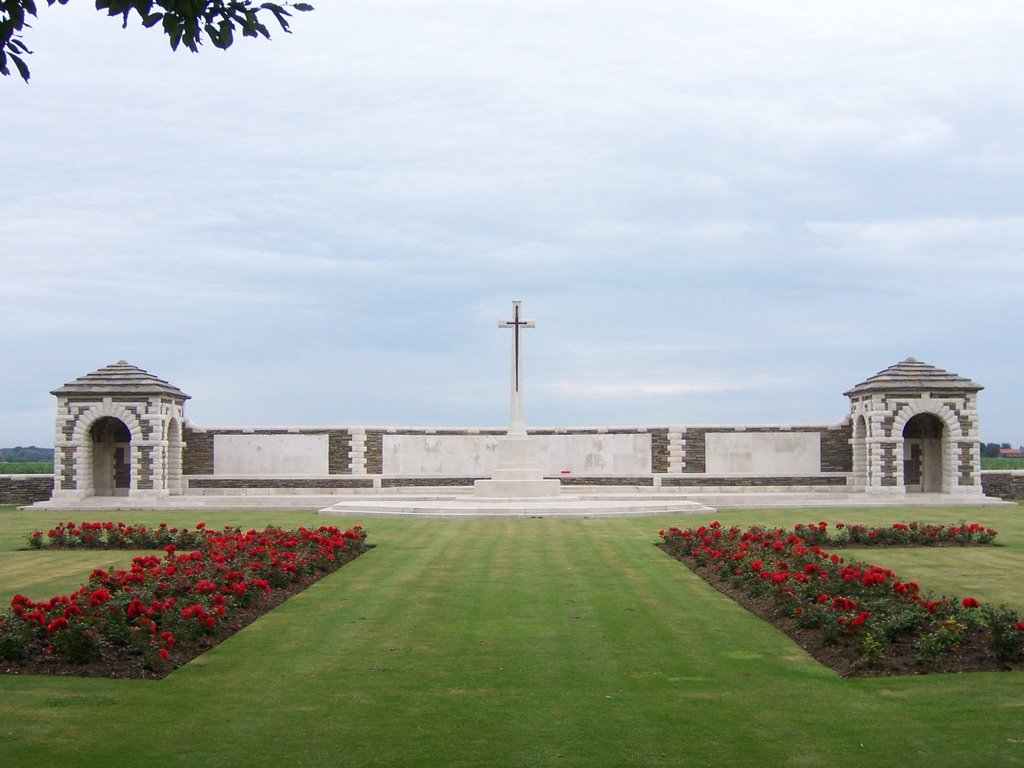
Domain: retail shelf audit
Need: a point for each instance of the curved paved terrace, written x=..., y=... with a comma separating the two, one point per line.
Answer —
x=583, y=504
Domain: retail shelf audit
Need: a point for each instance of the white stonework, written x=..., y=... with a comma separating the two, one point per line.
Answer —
x=915, y=430
x=676, y=449
x=763, y=453
x=121, y=432
x=357, y=451
x=517, y=474
x=118, y=433
x=270, y=455
x=468, y=455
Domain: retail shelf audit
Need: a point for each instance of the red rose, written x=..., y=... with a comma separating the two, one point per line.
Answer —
x=56, y=625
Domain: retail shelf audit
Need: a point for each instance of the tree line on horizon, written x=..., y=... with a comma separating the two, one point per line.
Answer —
x=991, y=450
x=26, y=453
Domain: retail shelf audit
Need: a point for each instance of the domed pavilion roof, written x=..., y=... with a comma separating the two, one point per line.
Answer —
x=121, y=378
x=914, y=376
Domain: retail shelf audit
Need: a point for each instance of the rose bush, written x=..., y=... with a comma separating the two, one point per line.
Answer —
x=109, y=535
x=911, y=534
x=857, y=604
x=162, y=603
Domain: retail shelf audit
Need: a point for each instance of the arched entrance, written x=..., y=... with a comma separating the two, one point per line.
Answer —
x=923, y=453
x=110, y=439
x=921, y=430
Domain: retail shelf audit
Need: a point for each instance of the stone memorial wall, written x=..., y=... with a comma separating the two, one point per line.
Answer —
x=121, y=431
x=220, y=459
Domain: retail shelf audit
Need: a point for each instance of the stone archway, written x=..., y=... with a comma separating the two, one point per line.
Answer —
x=923, y=451
x=920, y=431
x=90, y=445
x=91, y=430
x=110, y=442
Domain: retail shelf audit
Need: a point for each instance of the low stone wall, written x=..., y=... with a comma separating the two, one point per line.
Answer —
x=615, y=480
x=400, y=452
x=712, y=481
x=1003, y=485
x=428, y=482
x=311, y=483
x=25, y=489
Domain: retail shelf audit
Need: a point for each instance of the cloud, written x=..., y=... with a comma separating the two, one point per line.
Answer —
x=954, y=246
x=694, y=200
x=653, y=388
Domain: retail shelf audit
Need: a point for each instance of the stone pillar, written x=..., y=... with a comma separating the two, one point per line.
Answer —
x=357, y=451
x=676, y=449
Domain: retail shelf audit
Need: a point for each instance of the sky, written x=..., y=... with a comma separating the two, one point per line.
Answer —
x=720, y=212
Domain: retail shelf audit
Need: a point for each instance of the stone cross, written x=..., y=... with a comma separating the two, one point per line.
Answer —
x=517, y=426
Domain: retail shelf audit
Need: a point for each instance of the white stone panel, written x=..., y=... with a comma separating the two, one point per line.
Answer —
x=476, y=455
x=763, y=453
x=270, y=455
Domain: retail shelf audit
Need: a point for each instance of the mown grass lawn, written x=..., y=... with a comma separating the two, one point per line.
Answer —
x=518, y=643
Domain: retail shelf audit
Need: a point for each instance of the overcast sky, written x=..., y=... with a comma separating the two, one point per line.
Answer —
x=716, y=212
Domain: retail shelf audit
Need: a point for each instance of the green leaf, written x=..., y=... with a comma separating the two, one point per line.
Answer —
x=226, y=36
x=22, y=67
x=279, y=13
x=174, y=35
x=17, y=16
x=302, y=7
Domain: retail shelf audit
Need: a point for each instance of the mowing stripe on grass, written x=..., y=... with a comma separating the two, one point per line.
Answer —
x=516, y=643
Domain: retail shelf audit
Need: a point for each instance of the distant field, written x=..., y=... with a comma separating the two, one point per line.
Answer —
x=26, y=468
x=1002, y=463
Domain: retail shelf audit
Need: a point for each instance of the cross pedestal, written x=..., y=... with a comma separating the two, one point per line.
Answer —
x=517, y=475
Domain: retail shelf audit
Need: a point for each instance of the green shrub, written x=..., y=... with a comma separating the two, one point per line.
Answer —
x=1006, y=632
x=15, y=636
x=944, y=638
x=79, y=643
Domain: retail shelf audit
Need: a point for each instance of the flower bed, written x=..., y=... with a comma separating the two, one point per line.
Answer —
x=146, y=620
x=912, y=534
x=855, y=617
x=108, y=535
